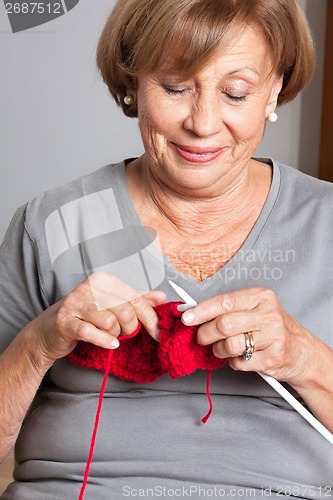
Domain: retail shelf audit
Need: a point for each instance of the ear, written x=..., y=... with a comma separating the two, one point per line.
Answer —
x=276, y=89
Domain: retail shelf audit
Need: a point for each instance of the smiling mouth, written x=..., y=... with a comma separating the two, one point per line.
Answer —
x=197, y=154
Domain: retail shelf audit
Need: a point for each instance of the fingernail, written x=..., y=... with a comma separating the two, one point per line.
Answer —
x=114, y=343
x=188, y=317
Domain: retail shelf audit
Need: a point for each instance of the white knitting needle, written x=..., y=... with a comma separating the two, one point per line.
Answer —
x=190, y=302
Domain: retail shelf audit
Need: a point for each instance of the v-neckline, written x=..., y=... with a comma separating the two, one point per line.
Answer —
x=131, y=218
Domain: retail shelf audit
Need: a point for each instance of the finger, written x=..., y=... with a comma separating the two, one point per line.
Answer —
x=228, y=325
x=259, y=362
x=103, y=287
x=109, y=291
x=241, y=300
x=145, y=312
x=104, y=320
x=87, y=332
x=155, y=298
x=126, y=317
x=233, y=347
x=266, y=352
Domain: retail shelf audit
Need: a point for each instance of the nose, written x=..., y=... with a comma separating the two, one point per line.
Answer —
x=204, y=118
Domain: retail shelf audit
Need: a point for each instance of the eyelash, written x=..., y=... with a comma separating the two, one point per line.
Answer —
x=178, y=92
x=172, y=91
x=236, y=98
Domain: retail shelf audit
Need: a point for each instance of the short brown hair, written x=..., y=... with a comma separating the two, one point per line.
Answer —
x=141, y=36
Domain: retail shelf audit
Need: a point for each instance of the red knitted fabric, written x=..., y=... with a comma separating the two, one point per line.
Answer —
x=142, y=359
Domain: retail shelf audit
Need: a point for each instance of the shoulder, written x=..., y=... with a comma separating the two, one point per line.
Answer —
x=102, y=179
x=300, y=192
x=87, y=192
x=303, y=185
x=69, y=214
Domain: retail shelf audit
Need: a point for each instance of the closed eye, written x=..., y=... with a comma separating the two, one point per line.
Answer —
x=235, y=98
x=175, y=90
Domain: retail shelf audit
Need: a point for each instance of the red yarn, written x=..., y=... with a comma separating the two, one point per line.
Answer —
x=143, y=360
x=210, y=411
x=94, y=434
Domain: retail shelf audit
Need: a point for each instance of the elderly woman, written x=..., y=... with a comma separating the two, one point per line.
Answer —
x=250, y=239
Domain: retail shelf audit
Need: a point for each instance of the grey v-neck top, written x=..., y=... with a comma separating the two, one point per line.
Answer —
x=151, y=442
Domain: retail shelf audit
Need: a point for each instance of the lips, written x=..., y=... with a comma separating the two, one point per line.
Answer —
x=198, y=154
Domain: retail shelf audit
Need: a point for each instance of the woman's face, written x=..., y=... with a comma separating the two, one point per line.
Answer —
x=200, y=132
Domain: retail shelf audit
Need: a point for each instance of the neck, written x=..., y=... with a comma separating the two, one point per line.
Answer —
x=191, y=214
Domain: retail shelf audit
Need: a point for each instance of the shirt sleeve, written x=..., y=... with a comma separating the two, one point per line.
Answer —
x=21, y=296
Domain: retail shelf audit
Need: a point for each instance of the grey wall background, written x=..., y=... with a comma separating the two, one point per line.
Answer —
x=57, y=121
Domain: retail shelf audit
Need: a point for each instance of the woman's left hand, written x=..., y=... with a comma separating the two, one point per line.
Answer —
x=282, y=346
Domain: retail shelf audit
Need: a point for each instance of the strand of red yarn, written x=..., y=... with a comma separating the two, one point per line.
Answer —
x=210, y=411
x=94, y=434
x=98, y=413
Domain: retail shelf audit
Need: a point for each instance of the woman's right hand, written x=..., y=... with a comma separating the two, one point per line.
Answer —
x=100, y=309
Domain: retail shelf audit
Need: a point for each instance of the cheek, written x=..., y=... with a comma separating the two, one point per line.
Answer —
x=157, y=123
x=247, y=123
x=152, y=133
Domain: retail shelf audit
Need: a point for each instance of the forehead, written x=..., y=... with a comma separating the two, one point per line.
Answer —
x=249, y=53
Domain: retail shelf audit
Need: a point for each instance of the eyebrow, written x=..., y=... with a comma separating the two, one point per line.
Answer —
x=251, y=75
x=248, y=70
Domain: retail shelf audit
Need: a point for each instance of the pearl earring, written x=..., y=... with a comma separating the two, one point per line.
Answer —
x=128, y=100
x=272, y=117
